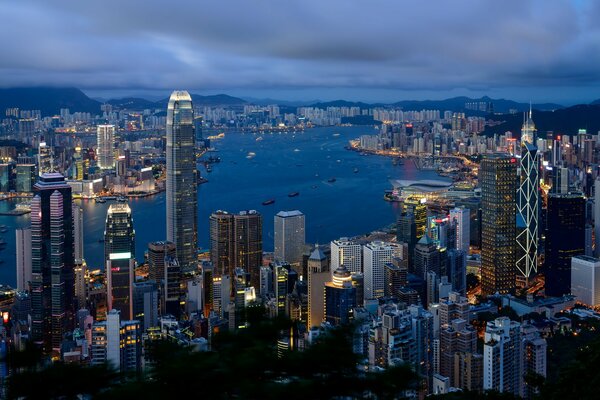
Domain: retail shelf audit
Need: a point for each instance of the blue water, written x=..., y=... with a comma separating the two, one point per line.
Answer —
x=352, y=205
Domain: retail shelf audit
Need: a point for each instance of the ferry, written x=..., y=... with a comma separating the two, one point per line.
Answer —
x=268, y=202
x=293, y=194
x=250, y=155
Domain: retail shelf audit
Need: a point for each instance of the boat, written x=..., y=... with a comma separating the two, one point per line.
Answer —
x=355, y=170
x=293, y=194
x=331, y=180
x=296, y=150
x=258, y=139
x=208, y=168
x=3, y=230
x=268, y=202
x=336, y=134
x=250, y=155
x=122, y=199
x=100, y=200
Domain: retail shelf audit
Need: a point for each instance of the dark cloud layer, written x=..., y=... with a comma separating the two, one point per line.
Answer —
x=309, y=47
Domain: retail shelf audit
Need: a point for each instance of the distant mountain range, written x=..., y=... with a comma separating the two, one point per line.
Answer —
x=547, y=116
x=564, y=121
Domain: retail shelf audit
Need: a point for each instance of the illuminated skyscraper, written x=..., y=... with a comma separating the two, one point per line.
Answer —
x=182, y=194
x=415, y=205
x=528, y=202
x=340, y=297
x=347, y=253
x=106, y=144
x=52, y=261
x=119, y=250
x=497, y=177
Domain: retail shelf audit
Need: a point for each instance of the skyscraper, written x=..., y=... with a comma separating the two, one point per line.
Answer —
x=52, y=261
x=248, y=243
x=106, y=144
x=375, y=256
x=23, y=245
x=182, y=193
x=340, y=297
x=462, y=218
x=585, y=280
x=528, y=202
x=157, y=253
x=119, y=250
x=497, y=178
x=289, y=237
x=318, y=274
x=565, y=239
x=78, y=232
x=502, y=356
x=221, y=242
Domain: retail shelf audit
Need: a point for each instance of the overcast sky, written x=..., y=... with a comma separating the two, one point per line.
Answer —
x=372, y=50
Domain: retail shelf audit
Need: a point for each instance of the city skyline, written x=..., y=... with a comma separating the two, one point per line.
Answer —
x=305, y=51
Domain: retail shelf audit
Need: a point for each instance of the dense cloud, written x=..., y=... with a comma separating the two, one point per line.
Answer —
x=310, y=46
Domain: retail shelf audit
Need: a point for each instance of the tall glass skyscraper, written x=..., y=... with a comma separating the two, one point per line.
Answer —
x=498, y=181
x=119, y=250
x=106, y=143
x=52, y=257
x=528, y=202
x=182, y=195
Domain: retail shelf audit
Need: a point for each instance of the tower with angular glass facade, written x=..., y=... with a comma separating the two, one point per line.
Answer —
x=182, y=198
x=528, y=202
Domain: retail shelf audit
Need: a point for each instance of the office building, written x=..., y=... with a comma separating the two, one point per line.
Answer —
x=78, y=233
x=52, y=259
x=145, y=304
x=106, y=146
x=565, y=239
x=427, y=257
x=26, y=178
x=462, y=219
x=375, y=256
x=45, y=158
x=597, y=215
x=456, y=270
x=497, y=177
x=407, y=233
x=182, y=191
x=318, y=275
x=157, y=253
x=395, y=278
x=585, y=280
x=347, y=253
x=280, y=283
x=289, y=238
x=171, y=295
x=340, y=297
x=528, y=202
x=248, y=243
x=23, y=245
x=119, y=250
x=221, y=242
x=415, y=205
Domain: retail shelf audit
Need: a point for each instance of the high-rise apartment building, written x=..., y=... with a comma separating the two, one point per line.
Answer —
x=52, y=259
x=497, y=177
x=502, y=353
x=106, y=146
x=289, y=238
x=182, y=191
